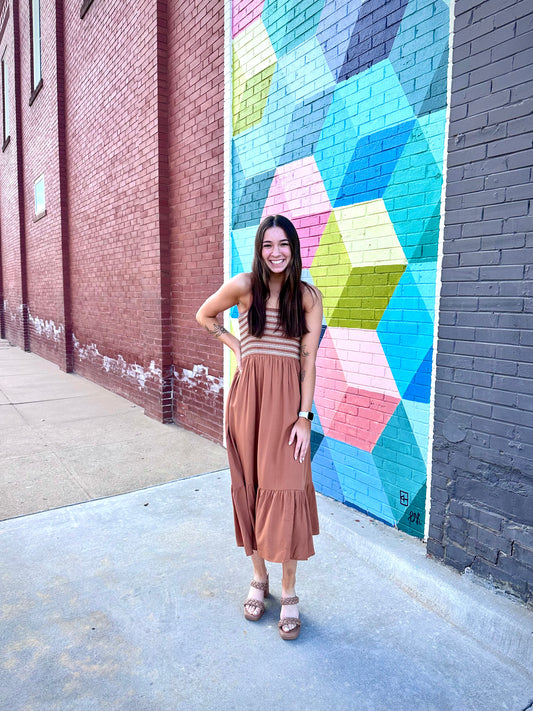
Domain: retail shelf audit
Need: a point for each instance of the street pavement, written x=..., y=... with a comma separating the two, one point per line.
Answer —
x=121, y=587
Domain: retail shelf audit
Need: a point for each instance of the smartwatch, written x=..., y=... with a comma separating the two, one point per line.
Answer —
x=308, y=415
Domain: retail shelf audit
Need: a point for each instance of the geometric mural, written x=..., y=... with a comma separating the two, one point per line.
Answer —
x=338, y=123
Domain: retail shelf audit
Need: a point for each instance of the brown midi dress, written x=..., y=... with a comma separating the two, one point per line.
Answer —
x=274, y=501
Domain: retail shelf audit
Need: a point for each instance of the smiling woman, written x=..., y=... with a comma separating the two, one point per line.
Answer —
x=269, y=411
x=276, y=250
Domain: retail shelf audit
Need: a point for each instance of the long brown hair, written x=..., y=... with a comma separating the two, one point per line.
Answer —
x=291, y=311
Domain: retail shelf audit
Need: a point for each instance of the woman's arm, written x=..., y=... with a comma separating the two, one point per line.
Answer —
x=235, y=292
x=301, y=432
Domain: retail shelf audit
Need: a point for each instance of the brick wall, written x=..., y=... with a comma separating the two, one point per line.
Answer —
x=196, y=149
x=43, y=237
x=12, y=259
x=482, y=481
x=114, y=187
x=129, y=136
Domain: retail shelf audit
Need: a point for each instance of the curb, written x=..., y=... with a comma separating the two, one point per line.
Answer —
x=492, y=618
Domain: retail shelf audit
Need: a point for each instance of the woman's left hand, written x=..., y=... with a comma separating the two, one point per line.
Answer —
x=301, y=435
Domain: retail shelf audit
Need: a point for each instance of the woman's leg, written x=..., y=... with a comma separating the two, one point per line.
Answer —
x=288, y=584
x=260, y=576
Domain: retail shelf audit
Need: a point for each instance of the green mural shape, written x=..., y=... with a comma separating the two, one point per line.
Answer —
x=402, y=469
x=366, y=295
x=253, y=100
x=412, y=522
x=353, y=297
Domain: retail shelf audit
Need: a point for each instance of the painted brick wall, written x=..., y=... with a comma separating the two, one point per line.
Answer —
x=339, y=117
x=482, y=481
x=196, y=150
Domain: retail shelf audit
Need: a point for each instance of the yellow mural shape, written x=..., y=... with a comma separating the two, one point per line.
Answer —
x=356, y=290
x=254, y=62
x=368, y=234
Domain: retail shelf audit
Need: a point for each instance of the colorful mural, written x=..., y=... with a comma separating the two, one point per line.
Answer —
x=339, y=110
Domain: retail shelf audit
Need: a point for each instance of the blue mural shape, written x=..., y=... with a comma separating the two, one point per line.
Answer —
x=372, y=164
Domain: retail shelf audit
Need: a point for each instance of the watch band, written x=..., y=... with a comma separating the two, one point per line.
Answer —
x=308, y=415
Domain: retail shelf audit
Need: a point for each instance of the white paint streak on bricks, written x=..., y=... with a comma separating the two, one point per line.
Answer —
x=199, y=376
x=48, y=329
x=118, y=366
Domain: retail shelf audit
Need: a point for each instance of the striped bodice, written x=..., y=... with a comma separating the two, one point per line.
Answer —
x=273, y=342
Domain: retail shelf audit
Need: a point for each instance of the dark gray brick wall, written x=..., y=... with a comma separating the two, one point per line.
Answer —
x=482, y=475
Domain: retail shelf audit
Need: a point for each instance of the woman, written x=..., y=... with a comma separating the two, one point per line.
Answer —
x=269, y=414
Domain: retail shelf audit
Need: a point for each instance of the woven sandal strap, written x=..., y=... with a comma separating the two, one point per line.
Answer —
x=290, y=621
x=290, y=600
x=259, y=586
x=251, y=602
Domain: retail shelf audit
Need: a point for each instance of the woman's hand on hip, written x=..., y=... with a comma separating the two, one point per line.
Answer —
x=301, y=436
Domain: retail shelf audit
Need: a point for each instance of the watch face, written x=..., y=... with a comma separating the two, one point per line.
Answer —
x=310, y=416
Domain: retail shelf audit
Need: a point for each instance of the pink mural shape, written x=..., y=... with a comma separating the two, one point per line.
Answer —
x=355, y=392
x=298, y=192
x=244, y=13
x=310, y=229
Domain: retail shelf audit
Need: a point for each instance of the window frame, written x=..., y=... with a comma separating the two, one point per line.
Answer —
x=6, y=128
x=86, y=4
x=37, y=214
x=35, y=44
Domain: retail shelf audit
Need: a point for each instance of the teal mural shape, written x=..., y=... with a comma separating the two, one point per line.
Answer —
x=300, y=75
x=401, y=466
x=290, y=23
x=405, y=332
x=355, y=117
x=419, y=55
x=415, y=213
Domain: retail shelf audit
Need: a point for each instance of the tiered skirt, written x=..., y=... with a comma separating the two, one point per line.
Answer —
x=274, y=500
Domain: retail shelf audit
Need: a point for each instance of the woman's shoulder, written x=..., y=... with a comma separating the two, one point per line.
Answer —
x=310, y=296
x=242, y=283
x=242, y=287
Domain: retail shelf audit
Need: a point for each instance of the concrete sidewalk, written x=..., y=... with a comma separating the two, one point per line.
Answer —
x=65, y=440
x=133, y=602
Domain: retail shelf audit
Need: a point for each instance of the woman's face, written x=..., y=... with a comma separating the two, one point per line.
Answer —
x=276, y=251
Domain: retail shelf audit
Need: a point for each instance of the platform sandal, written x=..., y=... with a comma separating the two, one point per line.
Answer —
x=256, y=604
x=291, y=634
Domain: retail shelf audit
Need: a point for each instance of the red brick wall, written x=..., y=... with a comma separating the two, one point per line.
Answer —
x=112, y=120
x=196, y=79
x=9, y=213
x=128, y=131
x=40, y=157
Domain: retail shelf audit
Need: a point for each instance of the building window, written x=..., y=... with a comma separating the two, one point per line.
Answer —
x=40, y=203
x=36, y=76
x=86, y=4
x=5, y=103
